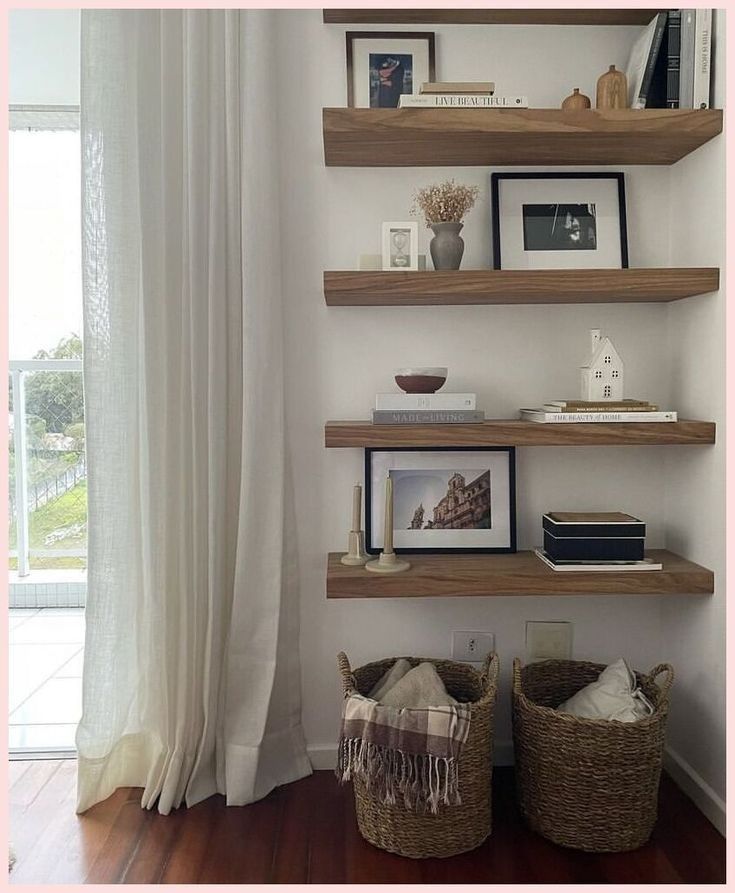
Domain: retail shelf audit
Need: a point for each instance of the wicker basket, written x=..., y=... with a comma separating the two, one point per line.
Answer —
x=453, y=829
x=586, y=783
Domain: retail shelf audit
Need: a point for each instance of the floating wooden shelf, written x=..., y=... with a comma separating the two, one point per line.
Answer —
x=399, y=16
x=514, y=432
x=435, y=137
x=348, y=288
x=519, y=574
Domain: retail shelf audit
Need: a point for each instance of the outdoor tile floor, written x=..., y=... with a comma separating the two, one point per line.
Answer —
x=46, y=649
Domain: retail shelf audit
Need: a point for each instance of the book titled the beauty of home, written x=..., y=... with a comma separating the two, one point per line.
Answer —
x=544, y=417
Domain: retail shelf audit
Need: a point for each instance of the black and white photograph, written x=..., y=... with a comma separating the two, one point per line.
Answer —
x=400, y=245
x=383, y=65
x=559, y=227
x=444, y=500
x=556, y=221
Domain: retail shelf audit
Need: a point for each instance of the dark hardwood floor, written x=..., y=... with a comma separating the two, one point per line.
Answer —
x=306, y=832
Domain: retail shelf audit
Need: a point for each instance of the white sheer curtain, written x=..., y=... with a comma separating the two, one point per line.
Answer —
x=191, y=677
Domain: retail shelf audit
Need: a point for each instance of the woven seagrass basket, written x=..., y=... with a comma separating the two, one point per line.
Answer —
x=453, y=829
x=589, y=784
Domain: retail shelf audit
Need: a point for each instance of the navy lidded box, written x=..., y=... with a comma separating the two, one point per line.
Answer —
x=593, y=524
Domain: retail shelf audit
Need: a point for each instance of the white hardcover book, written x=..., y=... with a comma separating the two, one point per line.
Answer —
x=457, y=87
x=461, y=101
x=540, y=415
x=615, y=567
x=643, y=60
x=702, y=54
x=412, y=402
x=686, y=64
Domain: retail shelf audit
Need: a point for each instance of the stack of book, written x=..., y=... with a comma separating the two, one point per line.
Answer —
x=460, y=94
x=594, y=541
x=427, y=409
x=628, y=410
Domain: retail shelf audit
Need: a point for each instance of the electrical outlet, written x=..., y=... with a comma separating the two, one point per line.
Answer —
x=548, y=639
x=472, y=646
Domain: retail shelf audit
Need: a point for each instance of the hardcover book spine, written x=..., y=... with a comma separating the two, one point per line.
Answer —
x=658, y=37
x=554, y=407
x=702, y=48
x=461, y=100
x=674, y=59
x=427, y=417
x=584, y=417
x=686, y=65
x=413, y=402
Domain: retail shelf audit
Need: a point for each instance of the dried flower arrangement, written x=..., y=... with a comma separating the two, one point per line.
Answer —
x=446, y=202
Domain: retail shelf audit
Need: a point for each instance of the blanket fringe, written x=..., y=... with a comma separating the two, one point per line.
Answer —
x=420, y=781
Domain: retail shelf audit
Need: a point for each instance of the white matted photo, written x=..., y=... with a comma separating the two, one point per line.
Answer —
x=559, y=221
x=444, y=500
x=400, y=243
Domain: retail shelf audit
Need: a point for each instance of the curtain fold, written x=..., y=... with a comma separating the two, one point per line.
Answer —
x=191, y=679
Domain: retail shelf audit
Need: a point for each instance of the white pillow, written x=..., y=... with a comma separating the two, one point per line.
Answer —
x=420, y=687
x=389, y=678
x=615, y=695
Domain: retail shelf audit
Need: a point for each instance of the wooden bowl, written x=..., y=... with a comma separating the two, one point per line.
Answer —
x=421, y=379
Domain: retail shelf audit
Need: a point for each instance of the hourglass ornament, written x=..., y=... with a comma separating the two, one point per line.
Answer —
x=400, y=246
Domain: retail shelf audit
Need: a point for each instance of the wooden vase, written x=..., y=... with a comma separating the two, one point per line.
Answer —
x=576, y=101
x=612, y=90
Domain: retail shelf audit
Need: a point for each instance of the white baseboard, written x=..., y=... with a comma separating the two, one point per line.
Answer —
x=695, y=787
x=324, y=756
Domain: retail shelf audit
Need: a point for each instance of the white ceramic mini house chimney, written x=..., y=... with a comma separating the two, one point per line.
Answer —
x=602, y=377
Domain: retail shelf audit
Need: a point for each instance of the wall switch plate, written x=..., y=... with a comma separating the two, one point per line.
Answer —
x=472, y=646
x=548, y=639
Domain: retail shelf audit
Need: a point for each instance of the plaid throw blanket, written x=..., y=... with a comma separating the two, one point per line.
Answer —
x=409, y=753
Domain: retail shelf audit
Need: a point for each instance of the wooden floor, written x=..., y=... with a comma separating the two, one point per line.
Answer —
x=306, y=832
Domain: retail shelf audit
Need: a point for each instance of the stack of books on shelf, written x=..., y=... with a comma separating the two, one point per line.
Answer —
x=570, y=411
x=594, y=541
x=426, y=409
x=462, y=94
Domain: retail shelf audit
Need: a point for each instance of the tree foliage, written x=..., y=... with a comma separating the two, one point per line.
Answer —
x=57, y=397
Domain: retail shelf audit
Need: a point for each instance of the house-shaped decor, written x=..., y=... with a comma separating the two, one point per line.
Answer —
x=602, y=378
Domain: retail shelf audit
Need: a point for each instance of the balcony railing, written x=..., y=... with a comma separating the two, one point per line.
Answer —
x=48, y=505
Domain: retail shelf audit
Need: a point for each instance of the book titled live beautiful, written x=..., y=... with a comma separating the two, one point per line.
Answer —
x=461, y=101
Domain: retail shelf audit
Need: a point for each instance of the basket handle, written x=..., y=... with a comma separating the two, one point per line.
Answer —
x=517, y=675
x=348, y=680
x=490, y=668
x=666, y=685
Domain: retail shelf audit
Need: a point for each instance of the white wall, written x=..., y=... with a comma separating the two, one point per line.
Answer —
x=511, y=356
x=43, y=56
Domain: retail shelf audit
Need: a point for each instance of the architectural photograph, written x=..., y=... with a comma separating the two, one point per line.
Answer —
x=367, y=445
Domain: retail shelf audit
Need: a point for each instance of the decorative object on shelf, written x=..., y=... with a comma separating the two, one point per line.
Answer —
x=387, y=562
x=612, y=90
x=400, y=246
x=576, y=101
x=381, y=65
x=608, y=540
x=444, y=205
x=374, y=263
x=356, y=539
x=603, y=376
x=446, y=499
x=557, y=221
x=421, y=379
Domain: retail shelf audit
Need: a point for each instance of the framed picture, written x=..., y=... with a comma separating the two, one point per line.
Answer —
x=559, y=221
x=445, y=499
x=381, y=65
x=400, y=244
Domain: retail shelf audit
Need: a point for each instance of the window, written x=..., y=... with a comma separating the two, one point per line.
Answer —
x=608, y=360
x=598, y=374
x=608, y=391
x=615, y=373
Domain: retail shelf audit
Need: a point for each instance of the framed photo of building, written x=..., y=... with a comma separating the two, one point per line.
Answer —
x=400, y=244
x=381, y=65
x=559, y=221
x=445, y=499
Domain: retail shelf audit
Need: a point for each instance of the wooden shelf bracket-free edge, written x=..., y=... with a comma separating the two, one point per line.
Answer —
x=359, y=137
x=518, y=574
x=352, y=288
x=515, y=432
x=404, y=16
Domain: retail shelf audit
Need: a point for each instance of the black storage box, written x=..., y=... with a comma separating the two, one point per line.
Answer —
x=577, y=548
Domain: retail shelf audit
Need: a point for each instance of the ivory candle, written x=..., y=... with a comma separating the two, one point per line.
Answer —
x=388, y=528
x=356, y=506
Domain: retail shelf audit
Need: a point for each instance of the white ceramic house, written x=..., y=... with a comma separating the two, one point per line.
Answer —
x=602, y=378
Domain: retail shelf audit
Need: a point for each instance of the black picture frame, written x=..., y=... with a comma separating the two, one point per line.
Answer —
x=369, y=527
x=497, y=178
x=352, y=36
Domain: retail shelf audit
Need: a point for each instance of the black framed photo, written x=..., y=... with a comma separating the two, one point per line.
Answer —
x=445, y=499
x=381, y=65
x=559, y=221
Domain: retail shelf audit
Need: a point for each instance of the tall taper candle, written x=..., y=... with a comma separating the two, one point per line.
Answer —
x=388, y=529
x=356, y=505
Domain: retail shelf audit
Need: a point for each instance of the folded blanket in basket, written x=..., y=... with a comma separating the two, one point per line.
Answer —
x=409, y=753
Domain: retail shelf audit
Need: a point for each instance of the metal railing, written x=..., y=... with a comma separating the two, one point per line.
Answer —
x=28, y=496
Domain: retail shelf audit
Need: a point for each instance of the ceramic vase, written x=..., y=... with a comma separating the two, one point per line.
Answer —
x=576, y=101
x=447, y=246
x=612, y=90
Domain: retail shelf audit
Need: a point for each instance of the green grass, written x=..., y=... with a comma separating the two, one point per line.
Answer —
x=71, y=508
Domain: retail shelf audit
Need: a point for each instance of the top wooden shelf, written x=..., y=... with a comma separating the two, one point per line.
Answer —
x=434, y=137
x=398, y=16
